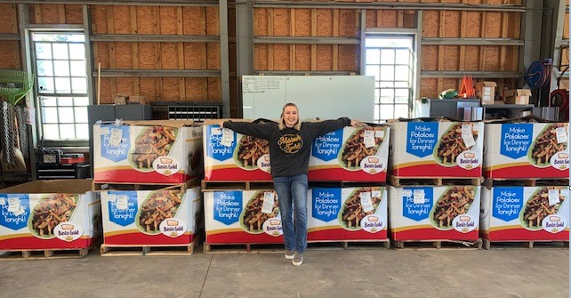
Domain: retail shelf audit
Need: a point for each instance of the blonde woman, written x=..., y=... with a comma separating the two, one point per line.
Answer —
x=289, y=144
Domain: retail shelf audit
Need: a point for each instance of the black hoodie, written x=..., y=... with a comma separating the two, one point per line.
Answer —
x=289, y=148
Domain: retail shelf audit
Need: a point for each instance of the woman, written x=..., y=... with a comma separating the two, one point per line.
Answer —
x=289, y=144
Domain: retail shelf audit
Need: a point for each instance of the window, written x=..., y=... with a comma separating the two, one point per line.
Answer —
x=61, y=85
x=390, y=60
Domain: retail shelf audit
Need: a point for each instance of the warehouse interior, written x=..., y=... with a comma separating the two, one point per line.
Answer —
x=73, y=74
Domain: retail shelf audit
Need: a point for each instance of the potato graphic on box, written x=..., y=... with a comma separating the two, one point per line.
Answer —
x=151, y=143
x=157, y=207
x=451, y=144
x=545, y=145
x=50, y=211
x=537, y=207
x=354, y=149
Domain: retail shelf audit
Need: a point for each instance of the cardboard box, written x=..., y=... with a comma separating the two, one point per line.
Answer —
x=512, y=150
x=420, y=213
x=485, y=90
x=55, y=214
x=331, y=214
x=436, y=149
x=234, y=217
x=147, y=151
x=129, y=217
x=351, y=154
x=120, y=100
x=224, y=163
x=518, y=96
x=507, y=213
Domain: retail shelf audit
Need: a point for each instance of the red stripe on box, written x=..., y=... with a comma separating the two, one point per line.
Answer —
x=340, y=234
x=436, y=170
x=235, y=174
x=340, y=174
x=32, y=243
x=143, y=239
x=130, y=176
x=526, y=172
x=243, y=238
x=433, y=234
x=521, y=234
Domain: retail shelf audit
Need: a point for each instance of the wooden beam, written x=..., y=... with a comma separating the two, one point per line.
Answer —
x=314, y=47
x=463, y=31
x=112, y=61
x=135, y=50
x=62, y=13
x=292, y=33
x=483, y=48
x=204, y=53
x=38, y=13
x=181, y=53
x=271, y=33
x=158, y=53
x=335, y=32
x=378, y=19
x=400, y=18
x=441, y=54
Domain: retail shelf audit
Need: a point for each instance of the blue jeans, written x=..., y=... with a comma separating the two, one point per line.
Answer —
x=292, y=192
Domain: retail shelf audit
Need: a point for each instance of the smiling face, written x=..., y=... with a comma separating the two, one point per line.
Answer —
x=290, y=115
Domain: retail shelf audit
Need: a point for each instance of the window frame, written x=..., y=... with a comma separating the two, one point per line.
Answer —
x=396, y=33
x=39, y=95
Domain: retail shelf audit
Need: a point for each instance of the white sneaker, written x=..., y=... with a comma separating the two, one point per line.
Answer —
x=289, y=254
x=298, y=259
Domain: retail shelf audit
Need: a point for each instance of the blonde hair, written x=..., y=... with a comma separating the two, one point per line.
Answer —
x=282, y=125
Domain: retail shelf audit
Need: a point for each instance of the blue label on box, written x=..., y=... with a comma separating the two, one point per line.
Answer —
x=115, y=142
x=227, y=206
x=326, y=203
x=326, y=147
x=122, y=207
x=417, y=202
x=507, y=202
x=14, y=210
x=516, y=139
x=422, y=138
x=214, y=147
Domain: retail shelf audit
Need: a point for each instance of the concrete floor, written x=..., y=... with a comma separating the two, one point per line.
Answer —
x=330, y=273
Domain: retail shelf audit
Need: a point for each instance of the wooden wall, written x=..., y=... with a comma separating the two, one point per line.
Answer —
x=280, y=22
x=154, y=20
x=285, y=22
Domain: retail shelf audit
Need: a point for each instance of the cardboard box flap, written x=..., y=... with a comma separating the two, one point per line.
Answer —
x=486, y=83
x=173, y=123
x=215, y=121
x=525, y=119
x=69, y=186
x=428, y=119
x=517, y=92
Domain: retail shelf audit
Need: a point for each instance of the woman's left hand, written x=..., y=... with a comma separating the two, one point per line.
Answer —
x=356, y=123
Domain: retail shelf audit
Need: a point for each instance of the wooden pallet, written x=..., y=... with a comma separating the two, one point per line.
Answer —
x=45, y=253
x=490, y=182
x=436, y=181
x=130, y=186
x=350, y=245
x=148, y=250
x=207, y=186
x=525, y=244
x=438, y=244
